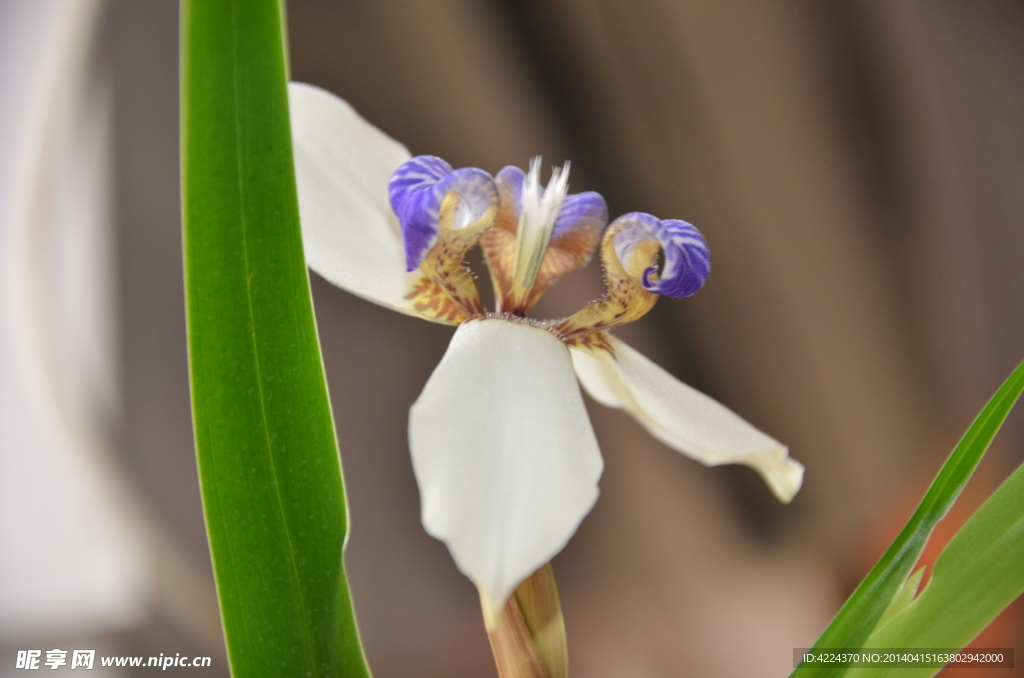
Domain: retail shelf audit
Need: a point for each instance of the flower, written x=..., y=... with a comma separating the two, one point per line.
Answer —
x=503, y=451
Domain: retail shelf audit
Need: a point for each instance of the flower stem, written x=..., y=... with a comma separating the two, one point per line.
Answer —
x=529, y=638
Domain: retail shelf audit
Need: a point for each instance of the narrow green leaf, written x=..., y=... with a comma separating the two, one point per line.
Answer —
x=904, y=597
x=265, y=443
x=977, y=575
x=856, y=620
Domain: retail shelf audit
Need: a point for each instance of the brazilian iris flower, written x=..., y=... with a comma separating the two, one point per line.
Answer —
x=503, y=451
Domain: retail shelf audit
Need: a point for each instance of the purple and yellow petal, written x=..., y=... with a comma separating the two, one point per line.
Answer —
x=499, y=242
x=581, y=220
x=442, y=213
x=687, y=260
x=418, y=190
x=630, y=251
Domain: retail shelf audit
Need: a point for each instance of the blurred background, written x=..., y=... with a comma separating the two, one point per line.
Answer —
x=857, y=167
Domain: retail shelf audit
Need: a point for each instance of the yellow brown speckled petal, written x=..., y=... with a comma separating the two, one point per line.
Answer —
x=442, y=213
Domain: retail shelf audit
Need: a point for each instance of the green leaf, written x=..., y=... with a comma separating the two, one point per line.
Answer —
x=857, y=619
x=977, y=575
x=265, y=443
x=904, y=597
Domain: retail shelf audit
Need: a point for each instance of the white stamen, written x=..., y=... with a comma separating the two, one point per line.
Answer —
x=537, y=221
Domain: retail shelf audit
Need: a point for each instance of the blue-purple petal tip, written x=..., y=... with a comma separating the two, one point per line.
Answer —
x=417, y=190
x=687, y=260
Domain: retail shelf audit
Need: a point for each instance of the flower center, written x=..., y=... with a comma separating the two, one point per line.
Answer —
x=531, y=236
x=540, y=208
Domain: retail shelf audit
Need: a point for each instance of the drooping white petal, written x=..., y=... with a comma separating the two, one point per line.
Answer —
x=504, y=454
x=682, y=417
x=342, y=165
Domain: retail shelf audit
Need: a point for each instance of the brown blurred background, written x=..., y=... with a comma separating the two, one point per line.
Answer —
x=857, y=167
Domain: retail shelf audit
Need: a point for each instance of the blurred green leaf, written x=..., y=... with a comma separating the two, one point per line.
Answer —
x=979, y=573
x=904, y=597
x=268, y=459
x=857, y=619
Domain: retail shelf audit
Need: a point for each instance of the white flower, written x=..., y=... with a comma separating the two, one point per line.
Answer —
x=503, y=451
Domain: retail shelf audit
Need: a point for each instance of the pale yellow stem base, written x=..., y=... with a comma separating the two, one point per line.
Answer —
x=528, y=639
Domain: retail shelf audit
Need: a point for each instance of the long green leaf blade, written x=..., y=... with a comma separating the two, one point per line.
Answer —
x=856, y=620
x=265, y=443
x=977, y=575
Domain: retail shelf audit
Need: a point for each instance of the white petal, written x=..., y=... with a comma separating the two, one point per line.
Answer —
x=504, y=454
x=684, y=418
x=343, y=165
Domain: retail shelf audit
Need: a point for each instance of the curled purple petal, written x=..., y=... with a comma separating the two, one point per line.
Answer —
x=417, y=190
x=687, y=258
